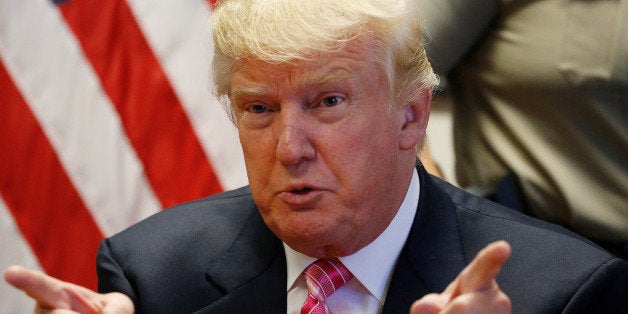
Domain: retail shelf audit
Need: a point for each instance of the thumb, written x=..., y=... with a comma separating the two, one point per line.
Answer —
x=429, y=304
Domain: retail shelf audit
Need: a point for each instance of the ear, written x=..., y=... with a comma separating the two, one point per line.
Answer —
x=417, y=113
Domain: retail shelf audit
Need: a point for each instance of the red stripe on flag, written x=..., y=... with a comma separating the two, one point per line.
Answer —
x=153, y=118
x=40, y=196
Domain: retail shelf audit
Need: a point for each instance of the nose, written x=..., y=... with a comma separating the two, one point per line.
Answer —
x=294, y=139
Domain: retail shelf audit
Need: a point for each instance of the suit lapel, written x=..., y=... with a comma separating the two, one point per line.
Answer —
x=432, y=256
x=252, y=273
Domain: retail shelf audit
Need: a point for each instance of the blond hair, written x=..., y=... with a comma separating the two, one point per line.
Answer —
x=277, y=31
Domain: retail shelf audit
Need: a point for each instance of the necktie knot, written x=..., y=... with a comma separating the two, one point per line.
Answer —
x=323, y=277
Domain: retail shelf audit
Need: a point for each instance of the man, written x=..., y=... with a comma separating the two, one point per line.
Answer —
x=331, y=99
x=559, y=145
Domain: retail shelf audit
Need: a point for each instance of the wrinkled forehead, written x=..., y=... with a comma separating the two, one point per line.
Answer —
x=258, y=78
x=358, y=57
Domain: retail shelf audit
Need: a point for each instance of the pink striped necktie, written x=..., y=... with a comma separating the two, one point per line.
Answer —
x=323, y=277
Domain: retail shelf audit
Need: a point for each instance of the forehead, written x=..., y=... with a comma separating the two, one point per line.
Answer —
x=355, y=60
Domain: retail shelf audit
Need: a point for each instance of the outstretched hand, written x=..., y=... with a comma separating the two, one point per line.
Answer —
x=55, y=296
x=475, y=289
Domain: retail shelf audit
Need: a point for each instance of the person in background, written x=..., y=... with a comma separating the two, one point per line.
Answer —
x=540, y=91
x=331, y=100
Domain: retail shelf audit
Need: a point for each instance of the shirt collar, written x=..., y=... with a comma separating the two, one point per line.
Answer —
x=373, y=264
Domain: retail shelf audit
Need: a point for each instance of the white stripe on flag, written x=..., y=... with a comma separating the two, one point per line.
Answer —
x=178, y=33
x=48, y=66
x=15, y=251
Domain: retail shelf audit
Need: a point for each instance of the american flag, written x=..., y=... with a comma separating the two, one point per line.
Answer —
x=106, y=117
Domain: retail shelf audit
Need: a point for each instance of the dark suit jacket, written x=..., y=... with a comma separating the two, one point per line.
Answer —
x=215, y=255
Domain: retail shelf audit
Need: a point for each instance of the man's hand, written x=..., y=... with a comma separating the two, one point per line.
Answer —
x=55, y=296
x=475, y=289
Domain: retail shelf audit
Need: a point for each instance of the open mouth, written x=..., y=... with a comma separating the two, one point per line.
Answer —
x=300, y=196
x=302, y=191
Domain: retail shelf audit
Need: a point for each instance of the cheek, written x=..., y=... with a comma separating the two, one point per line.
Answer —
x=366, y=153
x=256, y=144
x=258, y=154
x=363, y=141
x=352, y=154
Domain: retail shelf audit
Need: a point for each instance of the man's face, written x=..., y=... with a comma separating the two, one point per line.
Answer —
x=328, y=155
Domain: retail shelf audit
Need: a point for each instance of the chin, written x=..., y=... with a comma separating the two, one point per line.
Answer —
x=322, y=251
x=319, y=246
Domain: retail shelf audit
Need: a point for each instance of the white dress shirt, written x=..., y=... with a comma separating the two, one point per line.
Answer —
x=372, y=265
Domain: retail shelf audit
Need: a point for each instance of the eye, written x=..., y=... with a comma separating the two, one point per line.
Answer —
x=255, y=115
x=257, y=108
x=331, y=101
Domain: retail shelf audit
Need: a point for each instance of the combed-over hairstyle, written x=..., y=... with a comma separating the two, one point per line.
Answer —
x=277, y=31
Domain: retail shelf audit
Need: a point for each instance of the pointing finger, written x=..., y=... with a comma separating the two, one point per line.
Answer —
x=32, y=282
x=50, y=292
x=481, y=273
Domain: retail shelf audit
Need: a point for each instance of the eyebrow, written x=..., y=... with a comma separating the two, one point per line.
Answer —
x=332, y=76
x=243, y=91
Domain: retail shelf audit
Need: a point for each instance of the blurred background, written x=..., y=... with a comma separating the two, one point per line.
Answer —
x=106, y=117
